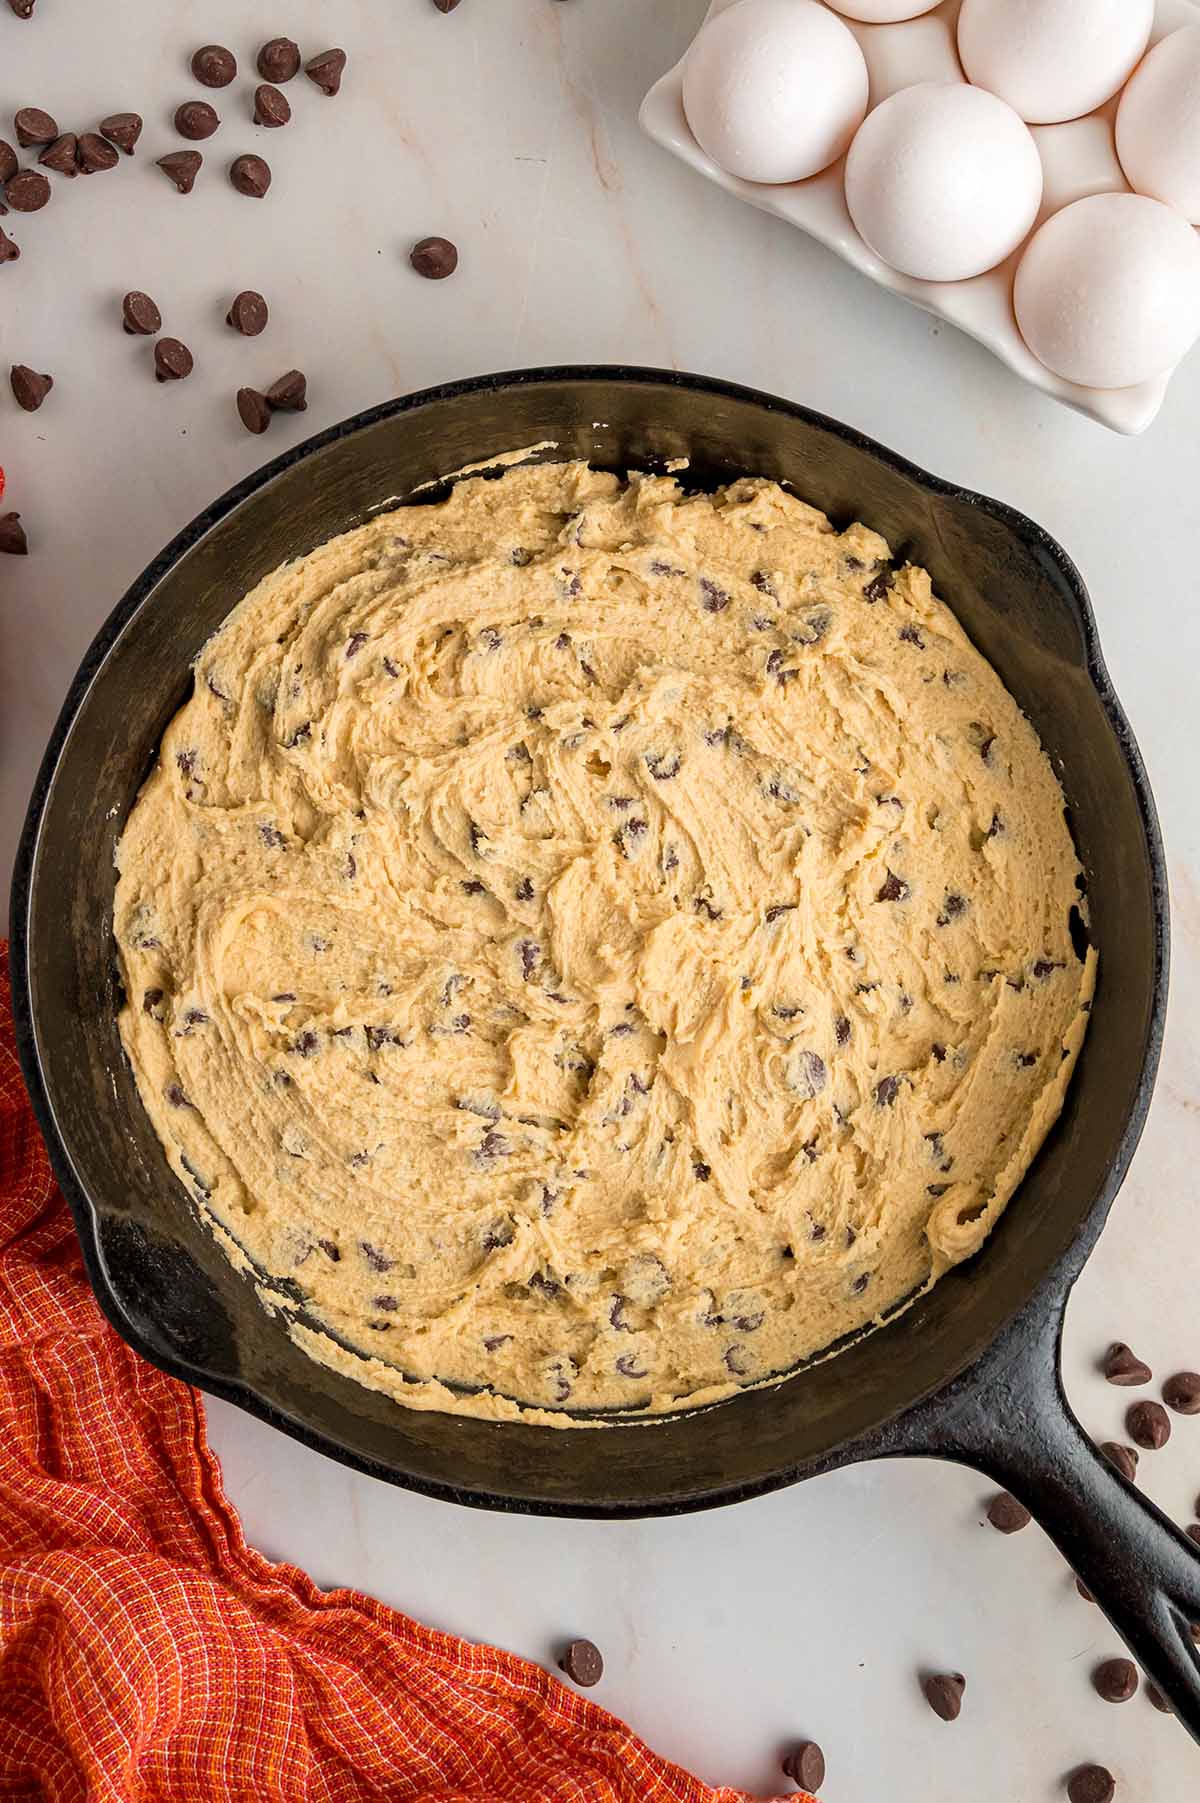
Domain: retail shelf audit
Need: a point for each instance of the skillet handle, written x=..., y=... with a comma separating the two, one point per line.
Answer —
x=1019, y=1429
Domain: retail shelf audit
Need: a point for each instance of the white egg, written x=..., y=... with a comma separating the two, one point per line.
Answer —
x=1108, y=291
x=774, y=90
x=1158, y=124
x=943, y=181
x=1052, y=59
x=883, y=12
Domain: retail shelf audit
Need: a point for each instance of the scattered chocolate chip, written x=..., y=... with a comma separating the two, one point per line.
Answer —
x=33, y=126
x=290, y=393
x=1159, y=1701
x=1116, y=1680
x=12, y=533
x=29, y=388
x=944, y=1694
x=23, y=9
x=445, y=6
x=123, y=130
x=250, y=175
x=1182, y=1392
x=1122, y=1366
x=805, y=1766
x=1123, y=1457
x=248, y=313
x=196, y=120
x=326, y=70
x=253, y=410
x=9, y=251
x=270, y=106
x=62, y=156
x=434, y=258
x=1008, y=1515
x=8, y=161
x=894, y=889
x=1193, y=1531
x=1083, y=1590
x=140, y=314
x=1148, y=1425
x=1091, y=1784
x=173, y=361
x=96, y=154
x=278, y=60
x=182, y=166
x=27, y=192
x=582, y=1663
x=214, y=66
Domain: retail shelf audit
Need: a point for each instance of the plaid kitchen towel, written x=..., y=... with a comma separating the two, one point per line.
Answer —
x=148, y=1655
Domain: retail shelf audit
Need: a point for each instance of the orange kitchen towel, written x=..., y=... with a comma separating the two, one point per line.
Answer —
x=148, y=1655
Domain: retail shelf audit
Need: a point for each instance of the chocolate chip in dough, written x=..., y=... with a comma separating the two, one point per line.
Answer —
x=582, y=1663
x=29, y=387
x=1157, y=1698
x=250, y=175
x=279, y=60
x=33, y=126
x=12, y=534
x=1116, y=1680
x=196, y=120
x=172, y=360
x=290, y=393
x=1122, y=1366
x=1007, y=1515
x=944, y=1694
x=8, y=161
x=140, y=315
x=248, y=313
x=62, y=156
x=96, y=154
x=1148, y=1425
x=326, y=70
x=1091, y=1784
x=27, y=192
x=182, y=166
x=9, y=252
x=123, y=130
x=253, y=410
x=434, y=258
x=893, y=889
x=1182, y=1393
x=214, y=66
x=1123, y=1457
x=805, y=1766
x=271, y=108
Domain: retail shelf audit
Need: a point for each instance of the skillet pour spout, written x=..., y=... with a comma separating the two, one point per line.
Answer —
x=970, y=1372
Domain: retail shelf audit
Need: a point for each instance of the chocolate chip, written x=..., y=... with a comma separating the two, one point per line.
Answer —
x=96, y=154
x=173, y=361
x=326, y=70
x=805, y=1766
x=1122, y=1366
x=196, y=119
x=9, y=251
x=894, y=889
x=886, y=1091
x=877, y=588
x=944, y=1694
x=279, y=59
x=29, y=388
x=377, y=1260
x=1083, y=1590
x=582, y=1663
x=445, y=6
x=629, y=1365
x=1160, y=1702
x=12, y=533
x=27, y=192
x=1116, y=1680
x=62, y=156
x=214, y=66
x=248, y=313
x=140, y=314
x=123, y=130
x=250, y=175
x=1008, y=1515
x=1193, y=1531
x=290, y=393
x=1091, y=1784
x=182, y=166
x=1182, y=1392
x=1123, y=1457
x=253, y=410
x=270, y=106
x=8, y=161
x=33, y=126
x=434, y=258
x=23, y=9
x=1148, y=1425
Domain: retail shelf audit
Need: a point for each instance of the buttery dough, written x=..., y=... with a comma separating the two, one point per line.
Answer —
x=593, y=946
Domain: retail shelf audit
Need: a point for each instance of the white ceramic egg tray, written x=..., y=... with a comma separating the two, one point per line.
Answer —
x=1078, y=158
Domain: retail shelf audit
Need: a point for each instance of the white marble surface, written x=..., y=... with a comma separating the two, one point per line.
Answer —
x=510, y=125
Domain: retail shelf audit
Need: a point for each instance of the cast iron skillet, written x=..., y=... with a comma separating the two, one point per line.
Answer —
x=971, y=1372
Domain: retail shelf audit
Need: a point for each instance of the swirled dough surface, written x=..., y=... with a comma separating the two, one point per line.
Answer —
x=597, y=945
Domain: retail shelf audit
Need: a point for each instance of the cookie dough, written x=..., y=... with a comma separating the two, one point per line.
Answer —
x=592, y=946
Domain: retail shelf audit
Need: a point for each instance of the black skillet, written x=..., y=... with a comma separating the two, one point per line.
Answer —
x=972, y=1371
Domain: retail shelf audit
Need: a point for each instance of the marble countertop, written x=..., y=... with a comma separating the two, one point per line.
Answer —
x=510, y=126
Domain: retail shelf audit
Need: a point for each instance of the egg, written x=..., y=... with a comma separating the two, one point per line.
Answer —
x=1052, y=59
x=774, y=90
x=883, y=12
x=1108, y=291
x=1158, y=124
x=943, y=181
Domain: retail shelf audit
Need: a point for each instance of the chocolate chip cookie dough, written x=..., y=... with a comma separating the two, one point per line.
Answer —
x=593, y=945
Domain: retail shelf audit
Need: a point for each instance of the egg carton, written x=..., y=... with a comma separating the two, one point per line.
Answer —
x=1078, y=158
